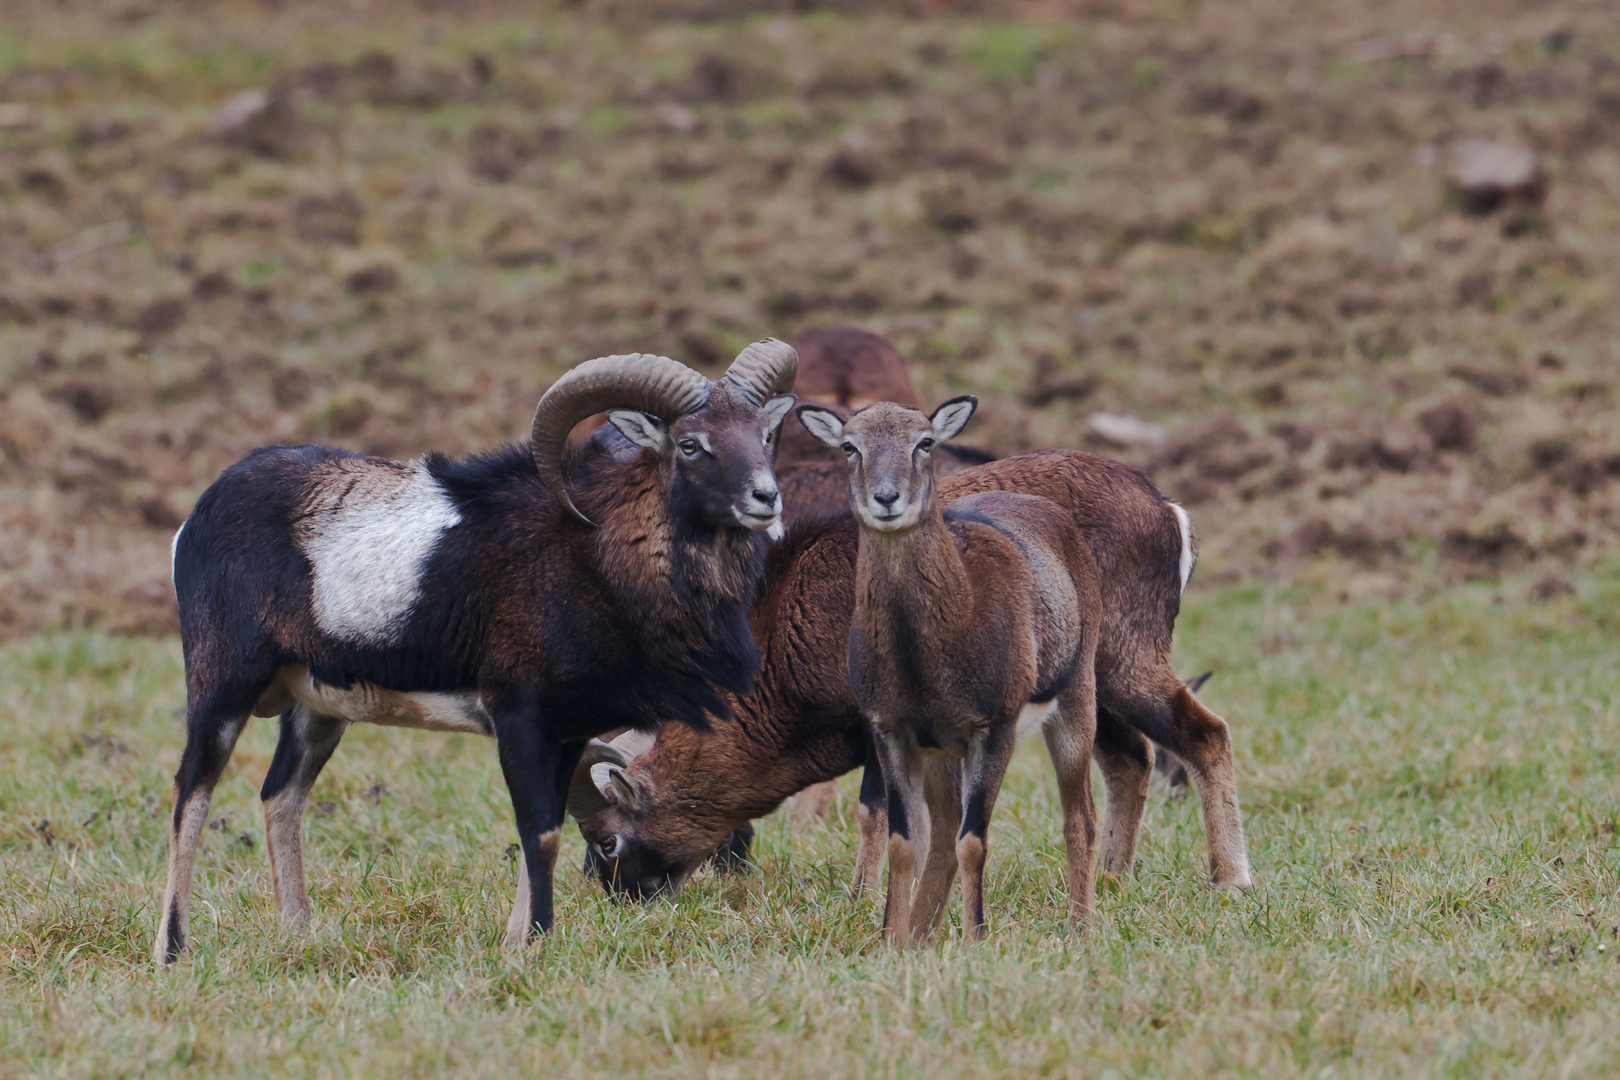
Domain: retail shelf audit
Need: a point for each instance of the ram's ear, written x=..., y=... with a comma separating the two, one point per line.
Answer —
x=625, y=792
x=950, y=418
x=823, y=425
x=776, y=411
x=1196, y=683
x=641, y=428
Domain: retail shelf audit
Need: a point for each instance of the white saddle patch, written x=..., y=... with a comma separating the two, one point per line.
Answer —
x=367, y=533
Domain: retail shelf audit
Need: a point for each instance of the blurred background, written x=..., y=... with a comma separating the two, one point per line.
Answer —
x=1341, y=276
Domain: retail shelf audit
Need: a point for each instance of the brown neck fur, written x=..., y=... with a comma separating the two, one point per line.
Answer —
x=912, y=583
x=677, y=584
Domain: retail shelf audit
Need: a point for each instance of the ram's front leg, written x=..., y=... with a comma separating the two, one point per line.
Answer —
x=537, y=769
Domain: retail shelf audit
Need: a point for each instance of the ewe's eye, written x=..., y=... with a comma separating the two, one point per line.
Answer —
x=689, y=447
x=926, y=445
x=848, y=449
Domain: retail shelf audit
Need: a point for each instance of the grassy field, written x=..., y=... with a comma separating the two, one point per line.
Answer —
x=1432, y=799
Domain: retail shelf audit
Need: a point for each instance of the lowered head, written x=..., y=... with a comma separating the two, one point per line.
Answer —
x=889, y=448
x=615, y=815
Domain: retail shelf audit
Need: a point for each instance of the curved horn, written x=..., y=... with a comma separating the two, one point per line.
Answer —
x=763, y=370
x=653, y=384
x=584, y=797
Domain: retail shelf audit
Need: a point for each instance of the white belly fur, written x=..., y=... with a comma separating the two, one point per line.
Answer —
x=1032, y=718
x=368, y=703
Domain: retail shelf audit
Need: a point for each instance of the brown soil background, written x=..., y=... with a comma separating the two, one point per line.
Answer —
x=1225, y=218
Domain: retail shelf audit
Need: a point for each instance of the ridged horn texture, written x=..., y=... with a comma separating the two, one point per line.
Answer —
x=764, y=369
x=653, y=384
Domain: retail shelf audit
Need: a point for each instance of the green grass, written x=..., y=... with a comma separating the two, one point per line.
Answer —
x=1432, y=806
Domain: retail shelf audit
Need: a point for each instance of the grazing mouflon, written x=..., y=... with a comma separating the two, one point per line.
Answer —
x=486, y=596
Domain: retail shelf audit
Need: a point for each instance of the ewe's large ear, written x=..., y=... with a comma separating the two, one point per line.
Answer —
x=822, y=424
x=951, y=417
x=641, y=428
x=625, y=792
x=776, y=411
x=1197, y=682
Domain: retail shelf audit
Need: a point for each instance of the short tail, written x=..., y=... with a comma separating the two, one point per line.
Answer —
x=1189, y=544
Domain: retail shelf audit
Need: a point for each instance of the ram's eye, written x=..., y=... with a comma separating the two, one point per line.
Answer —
x=610, y=846
x=770, y=437
x=848, y=449
x=689, y=447
x=926, y=445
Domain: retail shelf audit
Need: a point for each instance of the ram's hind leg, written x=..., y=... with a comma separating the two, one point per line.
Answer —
x=213, y=723
x=305, y=746
x=1125, y=757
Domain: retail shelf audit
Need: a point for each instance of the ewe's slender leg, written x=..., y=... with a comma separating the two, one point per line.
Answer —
x=1070, y=736
x=873, y=817
x=1201, y=739
x=982, y=773
x=942, y=787
x=1126, y=758
x=908, y=829
x=813, y=804
x=212, y=727
x=1167, y=765
x=305, y=746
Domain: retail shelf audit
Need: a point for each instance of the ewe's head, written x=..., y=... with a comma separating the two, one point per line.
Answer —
x=890, y=452
x=715, y=441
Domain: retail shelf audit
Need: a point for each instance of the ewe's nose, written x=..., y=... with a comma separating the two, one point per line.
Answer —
x=766, y=497
x=886, y=499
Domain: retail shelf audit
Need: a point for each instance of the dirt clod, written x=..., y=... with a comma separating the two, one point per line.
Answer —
x=1487, y=175
x=325, y=220
x=1550, y=587
x=1452, y=425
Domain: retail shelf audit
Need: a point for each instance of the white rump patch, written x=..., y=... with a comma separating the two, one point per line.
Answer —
x=1186, y=544
x=367, y=537
x=1032, y=718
